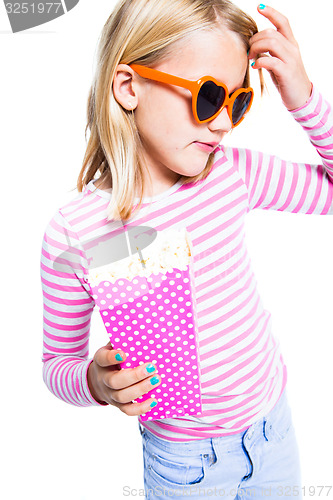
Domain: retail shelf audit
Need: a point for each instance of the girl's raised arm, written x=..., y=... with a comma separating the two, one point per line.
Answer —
x=276, y=184
x=284, y=64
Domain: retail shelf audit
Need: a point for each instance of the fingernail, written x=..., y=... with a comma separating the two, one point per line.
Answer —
x=252, y=64
x=154, y=380
x=248, y=52
x=118, y=357
x=150, y=368
x=154, y=403
x=262, y=6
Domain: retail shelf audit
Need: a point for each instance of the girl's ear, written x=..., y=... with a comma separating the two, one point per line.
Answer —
x=125, y=89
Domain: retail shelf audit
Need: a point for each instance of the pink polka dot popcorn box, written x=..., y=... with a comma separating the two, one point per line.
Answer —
x=147, y=303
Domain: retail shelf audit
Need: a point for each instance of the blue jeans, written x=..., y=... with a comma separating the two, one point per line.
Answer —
x=261, y=462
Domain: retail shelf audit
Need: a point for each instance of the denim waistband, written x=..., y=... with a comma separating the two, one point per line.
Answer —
x=226, y=443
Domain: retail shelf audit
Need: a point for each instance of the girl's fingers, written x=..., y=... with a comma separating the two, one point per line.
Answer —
x=272, y=64
x=274, y=43
x=279, y=20
x=129, y=377
x=107, y=356
x=129, y=393
x=136, y=409
x=271, y=33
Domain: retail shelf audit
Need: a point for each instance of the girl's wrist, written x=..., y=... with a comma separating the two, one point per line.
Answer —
x=299, y=108
x=90, y=385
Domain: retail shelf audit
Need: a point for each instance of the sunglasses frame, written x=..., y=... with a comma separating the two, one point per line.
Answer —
x=194, y=87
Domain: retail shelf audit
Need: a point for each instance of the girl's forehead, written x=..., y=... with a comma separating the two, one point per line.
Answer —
x=220, y=53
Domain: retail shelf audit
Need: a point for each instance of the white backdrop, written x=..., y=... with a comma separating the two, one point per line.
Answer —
x=51, y=449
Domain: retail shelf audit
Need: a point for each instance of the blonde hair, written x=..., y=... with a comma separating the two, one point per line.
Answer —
x=142, y=32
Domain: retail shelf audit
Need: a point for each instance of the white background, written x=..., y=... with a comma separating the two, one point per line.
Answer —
x=51, y=449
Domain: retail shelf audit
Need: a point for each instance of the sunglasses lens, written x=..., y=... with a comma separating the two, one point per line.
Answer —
x=210, y=99
x=240, y=106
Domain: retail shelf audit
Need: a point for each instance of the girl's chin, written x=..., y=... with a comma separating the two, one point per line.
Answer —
x=193, y=172
x=192, y=165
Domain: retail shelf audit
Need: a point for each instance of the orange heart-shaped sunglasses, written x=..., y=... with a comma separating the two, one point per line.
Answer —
x=209, y=96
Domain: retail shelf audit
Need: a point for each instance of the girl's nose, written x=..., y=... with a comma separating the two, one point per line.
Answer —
x=221, y=122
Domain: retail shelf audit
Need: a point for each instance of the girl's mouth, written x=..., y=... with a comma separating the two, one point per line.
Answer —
x=208, y=147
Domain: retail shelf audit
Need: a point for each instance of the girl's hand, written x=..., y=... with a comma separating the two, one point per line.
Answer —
x=111, y=384
x=285, y=64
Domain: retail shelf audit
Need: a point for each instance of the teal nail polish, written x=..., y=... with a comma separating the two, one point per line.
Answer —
x=252, y=64
x=150, y=368
x=154, y=403
x=154, y=380
x=118, y=357
x=262, y=6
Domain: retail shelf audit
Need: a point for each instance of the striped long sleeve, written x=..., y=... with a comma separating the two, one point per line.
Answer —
x=242, y=370
x=277, y=184
x=67, y=313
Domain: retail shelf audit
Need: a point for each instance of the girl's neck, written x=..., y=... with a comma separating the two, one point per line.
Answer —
x=158, y=187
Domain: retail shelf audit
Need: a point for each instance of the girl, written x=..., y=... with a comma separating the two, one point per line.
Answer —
x=156, y=144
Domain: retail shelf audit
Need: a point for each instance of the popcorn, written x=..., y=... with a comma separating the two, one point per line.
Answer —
x=170, y=249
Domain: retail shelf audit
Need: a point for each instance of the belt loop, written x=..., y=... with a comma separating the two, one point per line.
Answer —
x=141, y=428
x=267, y=428
x=215, y=452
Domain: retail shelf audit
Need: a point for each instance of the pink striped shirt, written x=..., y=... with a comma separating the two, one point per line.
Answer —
x=242, y=370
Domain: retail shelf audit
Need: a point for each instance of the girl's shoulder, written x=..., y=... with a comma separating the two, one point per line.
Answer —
x=80, y=204
x=72, y=218
x=82, y=200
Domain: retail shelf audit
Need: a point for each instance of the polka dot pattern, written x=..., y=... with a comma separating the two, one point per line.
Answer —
x=154, y=319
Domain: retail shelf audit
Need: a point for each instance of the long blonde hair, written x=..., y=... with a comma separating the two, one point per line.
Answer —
x=142, y=32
